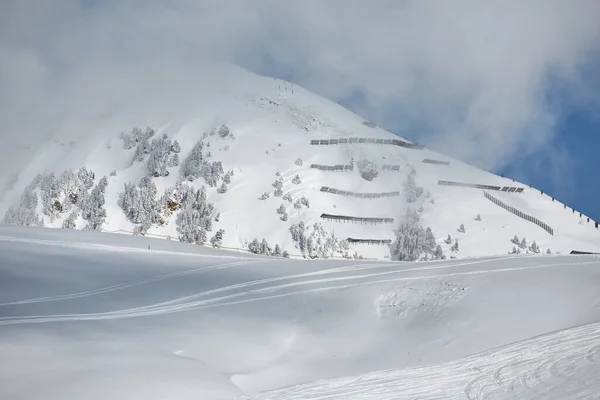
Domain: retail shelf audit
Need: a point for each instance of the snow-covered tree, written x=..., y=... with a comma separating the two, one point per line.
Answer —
x=192, y=165
x=195, y=219
x=411, y=190
x=69, y=222
x=438, y=253
x=455, y=246
x=222, y=188
x=461, y=228
x=93, y=211
x=285, y=254
x=368, y=169
x=162, y=156
x=254, y=246
x=548, y=251
x=278, y=185
x=217, y=239
x=288, y=197
x=227, y=177
x=515, y=250
x=298, y=162
x=523, y=243
x=277, y=251
x=264, y=196
x=140, y=204
x=297, y=180
x=136, y=135
x=478, y=217
x=534, y=248
x=448, y=239
x=516, y=240
x=412, y=240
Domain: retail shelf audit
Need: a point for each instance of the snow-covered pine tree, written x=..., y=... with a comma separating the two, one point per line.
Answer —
x=222, y=188
x=523, y=243
x=461, y=228
x=264, y=196
x=448, y=239
x=217, y=239
x=297, y=180
x=516, y=240
x=288, y=197
x=192, y=165
x=298, y=162
x=254, y=246
x=278, y=185
x=411, y=190
x=69, y=222
x=478, y=217
x=93, y=211
x=455, y=246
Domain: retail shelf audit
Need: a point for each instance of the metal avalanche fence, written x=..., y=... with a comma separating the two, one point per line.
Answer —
x=327, y=189
x=393, y=142
x=519, y=213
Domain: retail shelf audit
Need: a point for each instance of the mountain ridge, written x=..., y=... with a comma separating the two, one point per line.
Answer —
x=259, y=140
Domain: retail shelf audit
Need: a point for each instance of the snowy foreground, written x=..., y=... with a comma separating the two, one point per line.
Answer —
x=99, y=316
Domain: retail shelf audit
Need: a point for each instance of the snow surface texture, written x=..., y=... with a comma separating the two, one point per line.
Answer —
x=256, y=135
x=105, y=316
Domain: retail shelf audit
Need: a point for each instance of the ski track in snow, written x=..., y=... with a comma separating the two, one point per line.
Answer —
x=249, y=294
x=560, y=365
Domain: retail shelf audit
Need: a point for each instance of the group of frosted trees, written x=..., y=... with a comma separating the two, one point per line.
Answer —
x=69, y=196
x=314, y=241
x=413, y=242
x=262, y=247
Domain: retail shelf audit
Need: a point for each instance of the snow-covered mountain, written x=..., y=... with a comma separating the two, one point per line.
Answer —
x=282, y=164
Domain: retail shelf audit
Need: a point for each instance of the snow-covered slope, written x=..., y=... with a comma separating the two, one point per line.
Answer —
x=271, y=125
x=101, y=316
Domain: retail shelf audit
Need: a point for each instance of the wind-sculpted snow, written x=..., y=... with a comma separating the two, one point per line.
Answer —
x=125, y=317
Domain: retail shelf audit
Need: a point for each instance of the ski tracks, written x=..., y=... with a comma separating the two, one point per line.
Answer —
x=263, y=289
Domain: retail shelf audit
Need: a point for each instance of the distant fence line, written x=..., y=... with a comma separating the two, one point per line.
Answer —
x=519, y=213
x=368, y=241
x=370, y=124
x=335, y=168
x=327, y=189
x=583, y=252
x=393, y=142
x=508, y=189
x=553, y=199
x=360, y=220
x=387, y=167
x=350, y=168
x=436, y=162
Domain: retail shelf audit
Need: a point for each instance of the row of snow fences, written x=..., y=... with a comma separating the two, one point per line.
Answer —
x=508, y=189
x=583, y=252
x=394, y=142
x=436, y=162
x=370, y=124
x=327, y=189
x=519, y=213
x=368, y=241
x=360, y=220
x=336, y=168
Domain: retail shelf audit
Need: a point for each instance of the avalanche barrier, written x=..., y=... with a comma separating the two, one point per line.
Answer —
x=327, y=189
x=519, y=213
x=360, y=220
x=509, y=189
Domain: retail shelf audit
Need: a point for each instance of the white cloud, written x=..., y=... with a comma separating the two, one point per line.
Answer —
x=472, y=73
